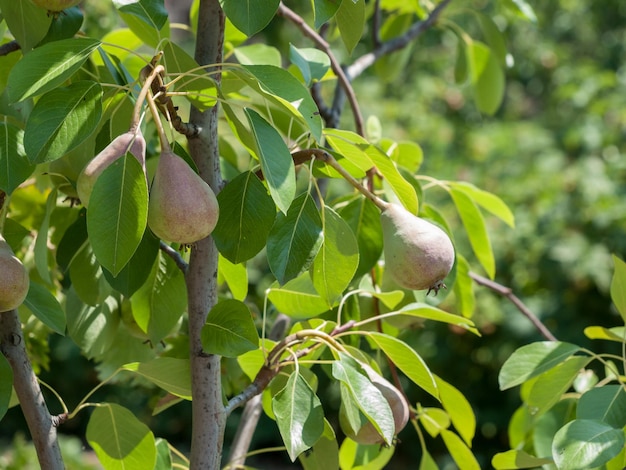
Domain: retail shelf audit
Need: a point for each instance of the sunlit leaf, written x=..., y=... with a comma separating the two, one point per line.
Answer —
x=324, y=453
x=297, y=298
x=517, y=459
x=146, y=18
x=533, y=359
x=312, y=63
x=488, y=201
x=48, y=66
x=236, y=276
x=350, y=19
x=250, y=16
x=618, y=286
x=229, y=330
x=119, y=439
x=299, y=415
x=169, y=373
x=459, y=410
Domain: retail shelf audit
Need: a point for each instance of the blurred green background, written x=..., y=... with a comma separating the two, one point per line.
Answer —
x=554, y=152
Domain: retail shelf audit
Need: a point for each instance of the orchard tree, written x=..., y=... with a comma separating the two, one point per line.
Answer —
x=142, y=187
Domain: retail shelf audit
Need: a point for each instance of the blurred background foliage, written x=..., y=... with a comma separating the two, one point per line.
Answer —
x=554, y=152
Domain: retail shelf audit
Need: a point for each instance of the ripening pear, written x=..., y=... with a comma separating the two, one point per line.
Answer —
x=14, y=280
x=130, y=141
x=418, y=254
x=368, y=434
x=182, y=208
x=55, y=6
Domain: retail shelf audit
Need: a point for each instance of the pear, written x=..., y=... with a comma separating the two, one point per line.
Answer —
x=132, y=141
x=418, y=254
x=182, y=208
x=368, y=434
x=14, y=280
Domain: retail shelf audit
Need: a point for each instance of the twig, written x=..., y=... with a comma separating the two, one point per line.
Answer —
x=7, y=48
x=387, y=47
x=508, y=293
x=40, y=423
x=175, y=255
x=323, y=45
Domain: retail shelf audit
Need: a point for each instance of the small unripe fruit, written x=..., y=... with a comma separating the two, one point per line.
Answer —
x=418, y=254
x=130, y=141
x=183, y=207
x=55, y=6
x=368, y=434
x=14, y=280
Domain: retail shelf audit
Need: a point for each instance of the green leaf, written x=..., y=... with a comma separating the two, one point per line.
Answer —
x=295, y=239
x=407, y=360
x=429, y=312
x=64, y=26
x=45, y=307
x=199, y=88
x=146, y=18
x=488, y=201
x=459, y=410
x=118, y=213
x=517, y=459
x=236, y=276
x=351, y=146
x=493, y=36
x=324, y=454
x=553, y=383
x=312, y=63
x=169, y=373
x=87, y=277
x=164, y=455
x=27, y=22
x=15, y=167
x=401, y=187
x=299, y=415
x=363, y=217
x=47, y=67
x=610, y=334
x=427, y=462
x=324, y=10
x=355, y=456
x=533, y=359
x=119, y=439
x=476, y=229
x=41, y=243
x=618, y=287
x=606, y=404
x=258, y=54
x=459, y=451
x=61, y=120
x=275, y=158
x=464, y=288
x=350, y=19
x=229, y=330
x=434, y=420
x=522, y=8
x=160, y=302
x=6, y=385
x=246, y=217
x=365, y=395
x=138, y=269
x=281, y=87
x=585, y=443
x=297, y=298
x=487, y=77
x=250, y=16
x=337, y=260
x=93, y=328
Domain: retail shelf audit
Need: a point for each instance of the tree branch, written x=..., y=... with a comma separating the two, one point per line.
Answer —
x=175, y=255
x=7, y=48
x=344, y=81
x=209, y=418
x=508, y=293
x=400, y=42
x=38, y=418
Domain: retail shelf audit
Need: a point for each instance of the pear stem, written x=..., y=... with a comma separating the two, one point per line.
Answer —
x=330, y=160
x=165, y=145
x=134, y=124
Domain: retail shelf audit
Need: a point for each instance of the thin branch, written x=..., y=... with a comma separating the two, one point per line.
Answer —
x=7, y=48
x=400, y=42
x=508, y=293
x=40, y=423
x=323, y=45
x=175, y=255
x=376, y=22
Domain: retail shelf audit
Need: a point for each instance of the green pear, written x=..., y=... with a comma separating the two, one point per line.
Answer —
x=14, y=281
x=182, y=208
x=368, y=434
x=130, y=141
x=418, y=254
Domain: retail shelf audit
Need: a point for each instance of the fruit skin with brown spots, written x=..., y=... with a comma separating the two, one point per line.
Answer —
x=182, y=206
x=14, y=281
x=368, y=434
x=418, y=254
x=130, y=141
x=55, y=6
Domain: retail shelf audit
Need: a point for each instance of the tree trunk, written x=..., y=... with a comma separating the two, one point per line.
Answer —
x=209, y=418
